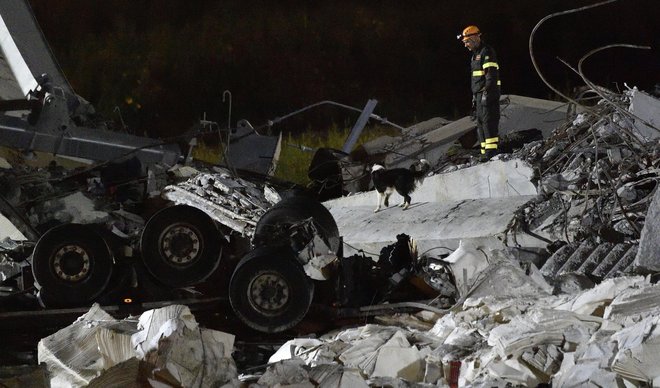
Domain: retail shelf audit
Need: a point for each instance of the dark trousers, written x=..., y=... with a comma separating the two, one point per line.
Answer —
x=488, y=122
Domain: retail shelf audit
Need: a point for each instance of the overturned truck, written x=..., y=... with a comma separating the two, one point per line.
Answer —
x=271, y=253
x=220, y=232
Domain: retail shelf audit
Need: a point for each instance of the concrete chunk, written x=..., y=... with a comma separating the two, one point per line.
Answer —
x=432, y=225
x=647, y=109
x=648, y=255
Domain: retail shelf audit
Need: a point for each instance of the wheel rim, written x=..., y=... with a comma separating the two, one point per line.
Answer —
x=71, y=263
x=180, y=244
x=268, y=292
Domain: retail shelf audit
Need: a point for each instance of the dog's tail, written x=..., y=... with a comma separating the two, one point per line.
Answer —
x=420, y=168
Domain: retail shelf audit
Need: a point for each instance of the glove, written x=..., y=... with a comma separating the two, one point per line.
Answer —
x=473, y=109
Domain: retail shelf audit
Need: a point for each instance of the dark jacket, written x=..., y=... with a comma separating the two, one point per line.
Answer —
x=485, y=71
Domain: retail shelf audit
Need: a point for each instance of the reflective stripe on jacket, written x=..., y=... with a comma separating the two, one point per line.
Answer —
x=484, y=70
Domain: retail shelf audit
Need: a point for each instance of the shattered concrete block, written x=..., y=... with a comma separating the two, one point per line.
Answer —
x=82, y=209
x=595, y=258
x=293, y=348
x=170, y=338
x=363, y=352
x=648, y=256
x=115, y=345
x=633, y=304
x=541, y=326
x=610, y=260
x=285, y=373
x=433, y=371
x=509, y=272
x=333, y=375
x=593, y=301
x=646, y=109
x=9, y=230
x=545, y=359
x=624, y=263
x=577, y=258
x=558, y=259
x=71, y=354
x=402, y=362
x=514, y=372
x=572, y=283
x=572, y=374
x=638, y=355
x=133, y=373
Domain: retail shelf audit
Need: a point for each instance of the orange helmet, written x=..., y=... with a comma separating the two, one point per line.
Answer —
x=468, y=32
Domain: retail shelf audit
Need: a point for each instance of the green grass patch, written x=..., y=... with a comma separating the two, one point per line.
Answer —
x=298, y=150
x=294, y=161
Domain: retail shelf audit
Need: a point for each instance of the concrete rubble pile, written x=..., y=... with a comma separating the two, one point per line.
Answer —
x=597, y=178
x=547, y=258
x=162, y=347
x=566, y=295
x=605, y=336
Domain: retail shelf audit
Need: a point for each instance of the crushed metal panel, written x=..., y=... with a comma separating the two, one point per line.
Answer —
x=87, y=143
x=251, y=151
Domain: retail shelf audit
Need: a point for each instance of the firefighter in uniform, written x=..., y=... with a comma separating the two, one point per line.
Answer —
x=485, y=89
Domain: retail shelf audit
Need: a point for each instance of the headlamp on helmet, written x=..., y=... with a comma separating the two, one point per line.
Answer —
x=468, y=32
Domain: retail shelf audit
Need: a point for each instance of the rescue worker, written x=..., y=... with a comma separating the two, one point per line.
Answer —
x=485, y=89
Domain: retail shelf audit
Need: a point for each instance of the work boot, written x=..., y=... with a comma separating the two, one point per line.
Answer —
x=491, y=153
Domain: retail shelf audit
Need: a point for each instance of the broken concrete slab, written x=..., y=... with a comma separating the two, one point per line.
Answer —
x=431, y=225
x=518, y=113
x=397, y=358
x=430, y=144
x=646, y=109
x=8, y=230
x=648, y=255
x=488, y=180
x=501, y=271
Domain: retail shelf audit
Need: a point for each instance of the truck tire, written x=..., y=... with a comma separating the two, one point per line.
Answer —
x=290, y=211
x=269, y=290
x=72, y=265
x=180, y=246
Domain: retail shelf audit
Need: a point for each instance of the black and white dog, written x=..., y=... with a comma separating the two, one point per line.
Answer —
x=404, y=181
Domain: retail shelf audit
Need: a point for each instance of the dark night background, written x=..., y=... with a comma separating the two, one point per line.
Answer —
x=166, y=62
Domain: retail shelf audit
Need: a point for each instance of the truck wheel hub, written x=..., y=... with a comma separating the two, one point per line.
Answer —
x=268, y=292
x=180, y=244
x=71, y=263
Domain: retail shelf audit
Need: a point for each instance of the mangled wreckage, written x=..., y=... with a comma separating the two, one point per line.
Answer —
x=539, y=266
x=145, y=222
